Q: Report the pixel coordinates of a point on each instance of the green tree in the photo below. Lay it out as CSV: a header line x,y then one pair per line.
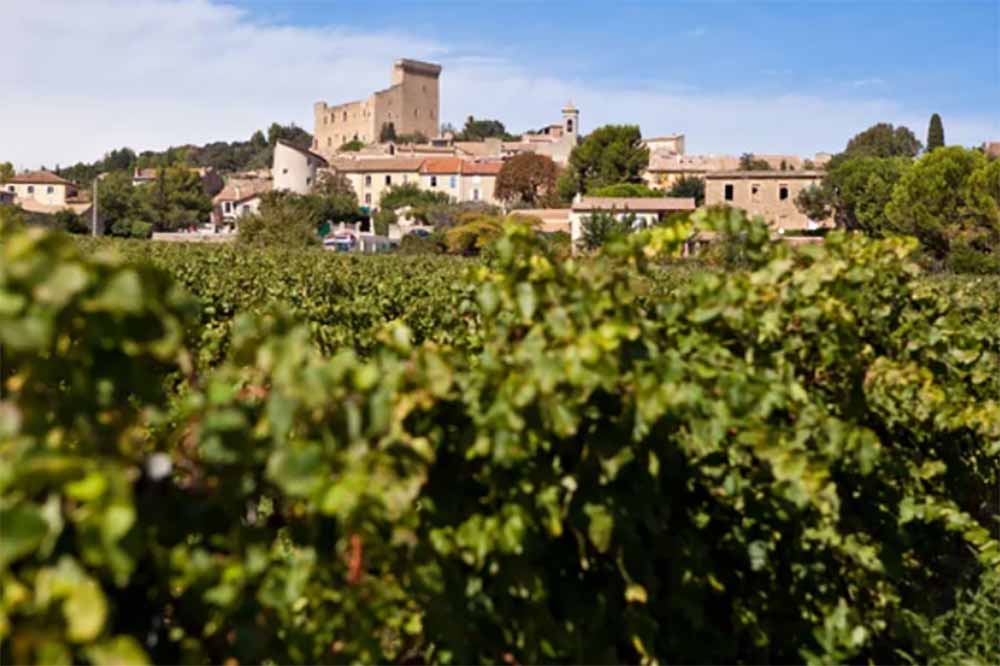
x,y
883,140
477,130
689,186
599,228
410,194
175,200
855,191
6,171
116,202
932,200
382,220
334,199
527,178
352,146
609,155
626,190
935,133
284,219
388,132
750,162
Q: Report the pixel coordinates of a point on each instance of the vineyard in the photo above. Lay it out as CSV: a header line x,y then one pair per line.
x,y
237,455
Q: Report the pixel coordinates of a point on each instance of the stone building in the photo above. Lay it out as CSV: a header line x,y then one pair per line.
x,y
671,144
462,180
769,194
410,105
45,192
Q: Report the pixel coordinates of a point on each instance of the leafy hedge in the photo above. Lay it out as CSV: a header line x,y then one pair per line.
x,y
793,461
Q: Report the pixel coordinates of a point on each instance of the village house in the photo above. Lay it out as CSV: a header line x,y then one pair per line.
x,y
45,192
239,197
666,168
462,180
294,168
769,194
647,211
6,197
409,106
371,178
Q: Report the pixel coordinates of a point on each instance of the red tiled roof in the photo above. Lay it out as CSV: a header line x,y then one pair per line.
x,y
40,178
482,168
442,165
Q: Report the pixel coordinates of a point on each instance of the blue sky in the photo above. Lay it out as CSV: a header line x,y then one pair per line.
x,y
766,77
939,54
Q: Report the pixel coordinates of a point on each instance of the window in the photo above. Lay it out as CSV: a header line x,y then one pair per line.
x,y
416,113
345,116
284,171
309,180
329,141
452,181
783,192
755,192
31,189
729,192
388,179
246,209
10,188
434,181
368,180
368,198
475,195
227,207
569,125
50,189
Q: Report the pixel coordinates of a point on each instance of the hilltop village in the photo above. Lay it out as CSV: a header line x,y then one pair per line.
x,y
392,147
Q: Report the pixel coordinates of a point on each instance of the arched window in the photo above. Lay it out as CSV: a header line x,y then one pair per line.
x,y
569,125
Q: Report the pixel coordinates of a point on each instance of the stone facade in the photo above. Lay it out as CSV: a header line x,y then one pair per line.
x,y
410,104
769,194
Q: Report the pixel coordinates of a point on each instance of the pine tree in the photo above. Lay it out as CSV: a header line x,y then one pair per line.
x,y
935,133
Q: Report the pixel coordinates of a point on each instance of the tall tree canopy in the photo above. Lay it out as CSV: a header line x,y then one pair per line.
x,y
883,140
855,192
935,133
609,155
689,186
527,178
940,202
477,130
750,162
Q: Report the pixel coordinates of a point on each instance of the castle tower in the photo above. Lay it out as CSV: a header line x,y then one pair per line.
x,y
571,121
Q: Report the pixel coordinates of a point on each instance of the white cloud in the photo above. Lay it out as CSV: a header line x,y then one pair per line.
x,y
80,80
866,83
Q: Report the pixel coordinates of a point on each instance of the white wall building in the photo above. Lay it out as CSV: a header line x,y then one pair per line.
x,y
647,211
294,169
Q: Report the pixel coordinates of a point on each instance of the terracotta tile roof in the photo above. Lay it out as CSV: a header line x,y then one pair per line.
x,y
39,178
637,204
237,190
481,168
378,164
442,165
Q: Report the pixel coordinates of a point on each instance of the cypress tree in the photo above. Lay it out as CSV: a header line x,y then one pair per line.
x,y
935,133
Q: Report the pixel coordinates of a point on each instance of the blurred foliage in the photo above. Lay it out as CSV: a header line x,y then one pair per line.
x,y
792,461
